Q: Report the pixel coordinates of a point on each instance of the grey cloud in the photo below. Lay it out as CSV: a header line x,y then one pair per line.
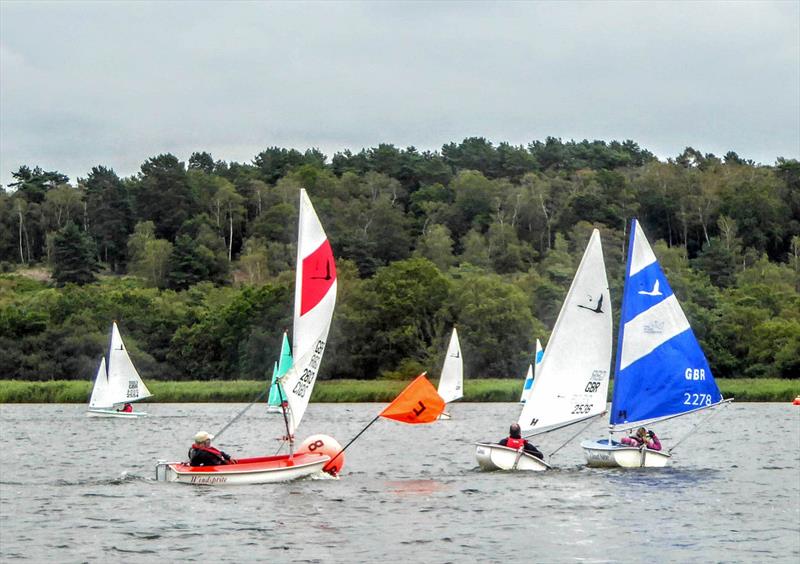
x,y
116,83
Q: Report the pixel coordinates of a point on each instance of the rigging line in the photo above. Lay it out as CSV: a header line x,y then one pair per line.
x,y
652,421
289,437
569,440
242,412
725,403
361,432
563,426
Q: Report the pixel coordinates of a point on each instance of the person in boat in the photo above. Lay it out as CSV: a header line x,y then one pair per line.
x,y
127,408
643,437
202,453
515,441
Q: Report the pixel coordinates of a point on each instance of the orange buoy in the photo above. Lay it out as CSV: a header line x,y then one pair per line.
x,y
796,401
324,444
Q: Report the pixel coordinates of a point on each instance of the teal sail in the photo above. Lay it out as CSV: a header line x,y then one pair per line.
x,y
661,370
281,367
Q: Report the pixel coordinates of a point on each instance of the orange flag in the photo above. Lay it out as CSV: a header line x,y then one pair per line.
x,y
418,403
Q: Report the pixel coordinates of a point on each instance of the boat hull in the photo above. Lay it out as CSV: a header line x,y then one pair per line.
x,y
601,454
498,457
260,470
444,416
114,413
274,409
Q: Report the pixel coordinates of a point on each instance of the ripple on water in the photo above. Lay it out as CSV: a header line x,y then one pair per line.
x,y
405,493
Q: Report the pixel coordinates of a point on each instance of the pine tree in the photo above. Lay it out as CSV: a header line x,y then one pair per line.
x,y
188,263
74,256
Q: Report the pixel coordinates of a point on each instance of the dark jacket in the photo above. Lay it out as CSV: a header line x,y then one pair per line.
x,y
528,448
207,456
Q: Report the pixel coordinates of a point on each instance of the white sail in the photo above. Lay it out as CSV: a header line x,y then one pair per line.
x,y
124,383
100,390
314,300
573,381
451,382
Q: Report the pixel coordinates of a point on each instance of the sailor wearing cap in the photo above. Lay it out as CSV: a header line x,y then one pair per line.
x,y
202,453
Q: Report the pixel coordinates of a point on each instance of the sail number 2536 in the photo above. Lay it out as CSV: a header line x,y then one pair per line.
x,y
696,399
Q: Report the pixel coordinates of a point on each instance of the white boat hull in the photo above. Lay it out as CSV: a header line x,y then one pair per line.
x,y
498,457
97,412
274,409
600,454
444,416
263,470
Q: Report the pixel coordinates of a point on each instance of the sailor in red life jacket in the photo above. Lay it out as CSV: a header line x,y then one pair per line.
x,y
515,441
127,408
203,454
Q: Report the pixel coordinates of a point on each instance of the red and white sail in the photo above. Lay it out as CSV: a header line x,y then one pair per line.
x,y
314,300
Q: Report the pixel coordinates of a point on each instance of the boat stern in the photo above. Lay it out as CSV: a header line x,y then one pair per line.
x,y
492,457
603,453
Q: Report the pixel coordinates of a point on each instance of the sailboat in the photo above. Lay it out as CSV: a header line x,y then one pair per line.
x,y
661,371
315,298
533,373
451,382
117,382
281,367
573,381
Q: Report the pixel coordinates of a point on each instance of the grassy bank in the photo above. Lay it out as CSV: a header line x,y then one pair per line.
x,y
479,390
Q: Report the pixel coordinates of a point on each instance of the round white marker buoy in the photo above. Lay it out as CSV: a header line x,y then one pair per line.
x,y
325,445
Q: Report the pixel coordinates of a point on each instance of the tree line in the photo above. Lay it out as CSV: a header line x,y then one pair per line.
x,y
195,260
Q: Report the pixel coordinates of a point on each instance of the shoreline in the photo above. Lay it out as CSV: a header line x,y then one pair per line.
x,y
344,391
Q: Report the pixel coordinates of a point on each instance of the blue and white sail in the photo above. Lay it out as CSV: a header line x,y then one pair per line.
x,y
276,395
533,373
661,370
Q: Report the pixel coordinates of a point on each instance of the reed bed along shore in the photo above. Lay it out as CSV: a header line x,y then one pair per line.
x,y
342,391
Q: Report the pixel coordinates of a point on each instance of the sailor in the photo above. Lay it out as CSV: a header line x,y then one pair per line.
x,y
515,441
643,437
127,408
202,453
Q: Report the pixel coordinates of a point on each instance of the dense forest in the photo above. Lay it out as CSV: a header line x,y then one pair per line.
x,y
195,260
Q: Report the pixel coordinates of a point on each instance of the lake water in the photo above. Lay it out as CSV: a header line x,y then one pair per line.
x,y
75,489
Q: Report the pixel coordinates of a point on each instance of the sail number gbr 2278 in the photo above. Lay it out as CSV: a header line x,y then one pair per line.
x,y
310,372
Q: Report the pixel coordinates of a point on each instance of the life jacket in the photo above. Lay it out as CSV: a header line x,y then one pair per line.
x,y
211,450
515,443
127,408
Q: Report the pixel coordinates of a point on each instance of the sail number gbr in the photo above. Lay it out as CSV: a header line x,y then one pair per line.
x,y
309,372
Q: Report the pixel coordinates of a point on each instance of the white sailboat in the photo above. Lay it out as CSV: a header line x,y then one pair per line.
x,y
451,382
315,298
533,373
573,381
661,371
117,383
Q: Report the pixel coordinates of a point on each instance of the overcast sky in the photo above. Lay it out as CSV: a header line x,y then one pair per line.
x,y
114,83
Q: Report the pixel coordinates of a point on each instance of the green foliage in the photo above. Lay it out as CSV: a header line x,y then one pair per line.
x,y
341,391
491,220
74,257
